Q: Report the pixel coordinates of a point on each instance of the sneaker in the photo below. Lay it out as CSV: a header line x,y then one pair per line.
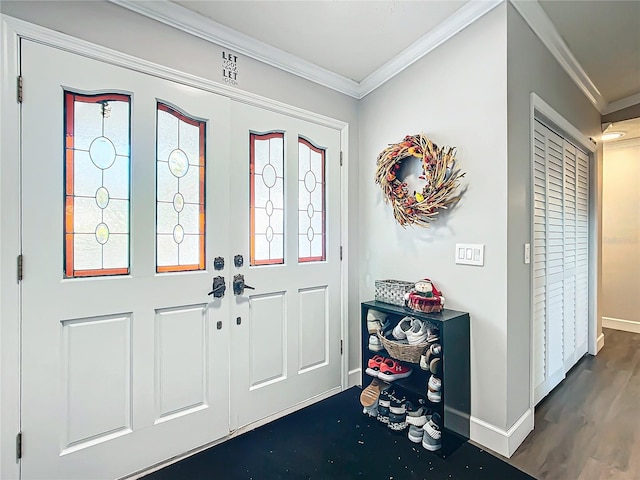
x,y
376,321
417,414
373,365
415,433
400,330
397,405
383,413
433,335
418,332
434,389
371,411
434,351
375,344
397,421
432,436
391,370
370,395
436,367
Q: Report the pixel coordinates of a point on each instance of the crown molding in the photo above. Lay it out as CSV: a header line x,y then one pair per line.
x,y
629,101
46,36
202,27
190,22
461,18
542,26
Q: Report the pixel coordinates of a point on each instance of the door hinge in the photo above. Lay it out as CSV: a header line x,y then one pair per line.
x,y
19,445
20,89
340,347
340,252
340,157
20,262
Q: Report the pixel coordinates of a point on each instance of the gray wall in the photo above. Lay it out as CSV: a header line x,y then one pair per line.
x,y
456,95
530,68
112,26
621,235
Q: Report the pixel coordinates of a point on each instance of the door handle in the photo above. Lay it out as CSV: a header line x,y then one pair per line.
x,y
218,288
239,285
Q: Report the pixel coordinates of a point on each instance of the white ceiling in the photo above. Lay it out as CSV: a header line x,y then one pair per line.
x,y
604,36
363,43
350,38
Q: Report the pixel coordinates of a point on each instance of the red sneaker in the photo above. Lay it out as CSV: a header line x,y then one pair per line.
x,y
393,370
373,365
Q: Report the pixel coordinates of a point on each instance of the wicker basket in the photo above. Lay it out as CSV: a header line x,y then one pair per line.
x,y
402,351
392,291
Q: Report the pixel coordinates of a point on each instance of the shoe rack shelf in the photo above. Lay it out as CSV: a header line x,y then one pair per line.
x,y
455,405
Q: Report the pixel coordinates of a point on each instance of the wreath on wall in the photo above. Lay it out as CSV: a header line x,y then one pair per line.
x,y
439,171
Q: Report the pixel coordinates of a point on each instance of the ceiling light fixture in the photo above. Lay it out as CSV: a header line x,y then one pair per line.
x,y
612,136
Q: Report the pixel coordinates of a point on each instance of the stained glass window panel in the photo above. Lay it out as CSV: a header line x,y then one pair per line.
x,y
180,192
97,182
311,202
267,198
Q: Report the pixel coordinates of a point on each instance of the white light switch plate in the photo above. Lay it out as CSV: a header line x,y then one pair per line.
x,y
469,254
527,253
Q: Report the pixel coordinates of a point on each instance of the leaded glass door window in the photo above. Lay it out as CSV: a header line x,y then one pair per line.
x,y
180,209
311,202
267,198
97,132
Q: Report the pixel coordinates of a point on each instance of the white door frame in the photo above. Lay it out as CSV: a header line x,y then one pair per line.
x,y
542,111
11,31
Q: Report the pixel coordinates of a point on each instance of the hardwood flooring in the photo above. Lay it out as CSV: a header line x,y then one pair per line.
x,y
588,428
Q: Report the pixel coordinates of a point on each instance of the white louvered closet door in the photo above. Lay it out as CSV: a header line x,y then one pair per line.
x,y
582,253
569,234
560,258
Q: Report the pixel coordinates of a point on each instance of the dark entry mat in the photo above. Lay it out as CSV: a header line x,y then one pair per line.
x,y
333,440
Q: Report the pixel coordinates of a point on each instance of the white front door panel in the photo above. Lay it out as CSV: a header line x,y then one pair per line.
x,y
119,372
287,345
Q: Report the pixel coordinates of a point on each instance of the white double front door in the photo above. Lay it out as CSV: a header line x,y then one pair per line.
x,y
131,186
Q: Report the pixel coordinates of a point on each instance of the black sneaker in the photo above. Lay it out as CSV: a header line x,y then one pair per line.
x,y
417,413
398,405
397,421
383,413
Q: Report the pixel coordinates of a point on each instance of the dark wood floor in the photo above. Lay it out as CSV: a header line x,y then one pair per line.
x,y
588,428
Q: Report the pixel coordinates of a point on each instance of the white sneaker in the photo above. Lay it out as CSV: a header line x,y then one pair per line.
x,y
431,439
400,330
375,321
418,332
434,389
375,344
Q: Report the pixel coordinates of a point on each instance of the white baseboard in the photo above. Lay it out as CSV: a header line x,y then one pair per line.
x,y
355,376
504,442
231,435
621,324
599,342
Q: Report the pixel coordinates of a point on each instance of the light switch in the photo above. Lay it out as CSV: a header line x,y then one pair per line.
x,y
527,253
469,254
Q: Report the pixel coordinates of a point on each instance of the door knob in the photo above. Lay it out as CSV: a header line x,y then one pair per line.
x,y
218,288
239,285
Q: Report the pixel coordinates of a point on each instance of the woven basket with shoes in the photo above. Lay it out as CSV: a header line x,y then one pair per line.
x,y
403,351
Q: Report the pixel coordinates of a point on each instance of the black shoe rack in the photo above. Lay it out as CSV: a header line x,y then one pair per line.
x,y
455,404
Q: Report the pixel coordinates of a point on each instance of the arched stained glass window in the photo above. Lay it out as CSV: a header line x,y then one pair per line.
x,y
180,191
97,183
267,198
311,202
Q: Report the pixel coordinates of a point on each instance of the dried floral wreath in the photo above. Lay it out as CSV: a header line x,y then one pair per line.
x,y
439,172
